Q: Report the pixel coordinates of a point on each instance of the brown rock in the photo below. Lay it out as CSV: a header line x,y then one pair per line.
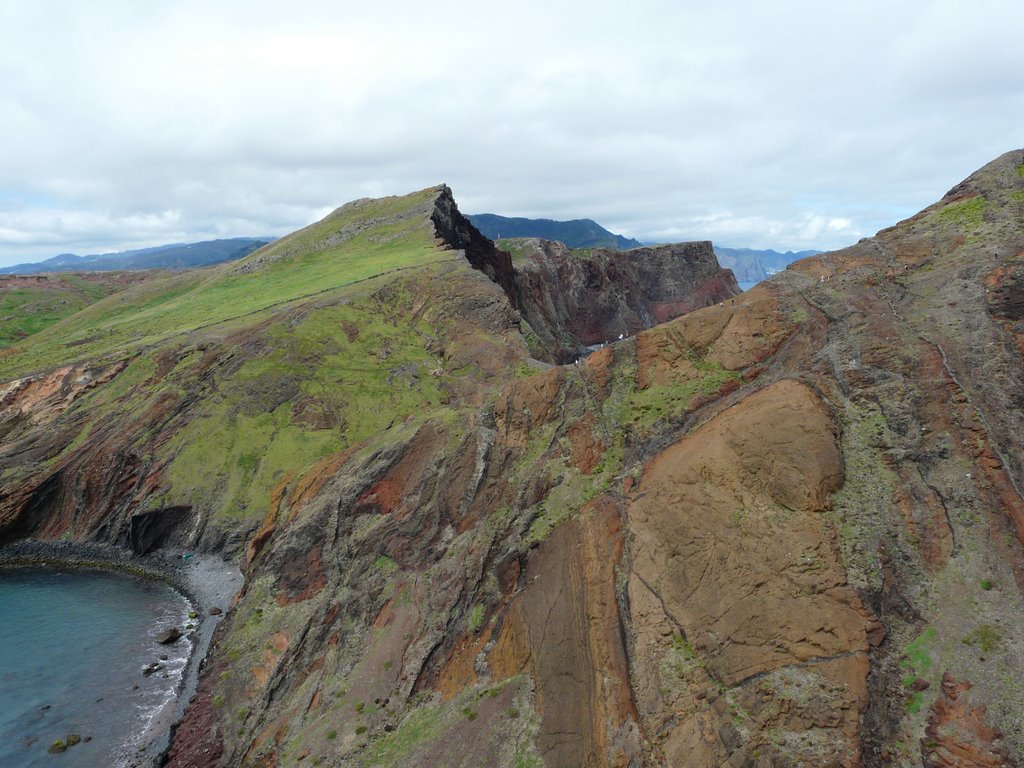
x,y
729,542
957,734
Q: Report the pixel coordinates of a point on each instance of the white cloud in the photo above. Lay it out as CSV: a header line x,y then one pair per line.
x,y
786,125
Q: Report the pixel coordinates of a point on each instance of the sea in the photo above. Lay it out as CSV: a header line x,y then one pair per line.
x,y
73,646
746,285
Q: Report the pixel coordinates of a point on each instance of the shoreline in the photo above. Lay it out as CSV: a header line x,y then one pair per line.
x,y
205,581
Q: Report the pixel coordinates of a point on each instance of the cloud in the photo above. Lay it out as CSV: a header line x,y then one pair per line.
x,y
785,125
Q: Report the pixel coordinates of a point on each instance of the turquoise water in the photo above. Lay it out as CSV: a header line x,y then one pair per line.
x,y
73,645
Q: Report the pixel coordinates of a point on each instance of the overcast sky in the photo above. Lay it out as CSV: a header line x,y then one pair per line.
x,y
787,125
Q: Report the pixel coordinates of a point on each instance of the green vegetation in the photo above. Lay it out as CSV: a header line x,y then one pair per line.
x,y
861,507
917,663
309,391
643,408
431,727
351,245
965,215
45,301
208,469
681,662
987,584
423,725
918,653
476,618
519,248
915,702
985,636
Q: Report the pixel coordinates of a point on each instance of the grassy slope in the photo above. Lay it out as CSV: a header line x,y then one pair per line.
x,y
322,341
378,237
28,305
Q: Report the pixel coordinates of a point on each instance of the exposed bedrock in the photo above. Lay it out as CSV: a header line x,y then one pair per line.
x,y
574,299
734,579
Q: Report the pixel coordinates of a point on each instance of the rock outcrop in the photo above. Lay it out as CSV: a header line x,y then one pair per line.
x,y
575,299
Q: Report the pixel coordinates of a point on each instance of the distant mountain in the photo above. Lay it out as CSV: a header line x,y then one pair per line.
x,y
578,233
173,256
751,265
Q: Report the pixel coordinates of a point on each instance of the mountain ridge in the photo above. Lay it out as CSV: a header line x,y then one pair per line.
x,y
753,265
575,233
170,256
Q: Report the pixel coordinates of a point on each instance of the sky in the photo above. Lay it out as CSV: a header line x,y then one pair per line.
x,y
786,125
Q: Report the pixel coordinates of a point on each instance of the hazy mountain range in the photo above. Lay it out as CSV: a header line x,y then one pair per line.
x,y
577,233
750,265
172,256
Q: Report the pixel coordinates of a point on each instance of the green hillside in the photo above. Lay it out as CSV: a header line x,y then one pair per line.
x,y
354,243
30,304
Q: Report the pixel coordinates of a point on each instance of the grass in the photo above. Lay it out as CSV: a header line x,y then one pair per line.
x,y
28,310
985,636
351,245
476,618
644,408
307,391
519,248
229,462
918,663
965,215
423,725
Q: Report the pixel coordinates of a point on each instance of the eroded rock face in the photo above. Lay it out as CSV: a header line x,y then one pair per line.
x,y
575,299
564,629
957,733
732,565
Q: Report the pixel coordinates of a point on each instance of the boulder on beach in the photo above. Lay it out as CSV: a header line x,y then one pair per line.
x,y
168,636
215,611
57,747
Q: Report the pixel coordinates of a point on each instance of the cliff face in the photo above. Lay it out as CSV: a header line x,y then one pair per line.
x,y
784,529
574,299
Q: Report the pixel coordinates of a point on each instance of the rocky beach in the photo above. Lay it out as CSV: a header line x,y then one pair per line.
x,y
206,586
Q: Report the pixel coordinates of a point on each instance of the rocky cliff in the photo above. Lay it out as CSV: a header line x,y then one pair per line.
x,y
785,529
573,299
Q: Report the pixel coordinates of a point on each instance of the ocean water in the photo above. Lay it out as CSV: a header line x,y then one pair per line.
x,y
746,285
73,645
